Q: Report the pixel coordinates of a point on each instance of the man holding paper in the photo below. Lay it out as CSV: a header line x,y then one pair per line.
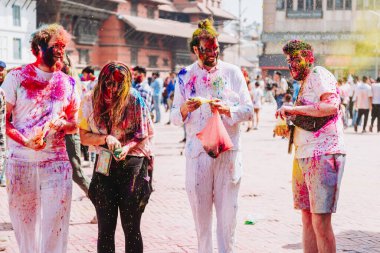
x,y
41,107
207,86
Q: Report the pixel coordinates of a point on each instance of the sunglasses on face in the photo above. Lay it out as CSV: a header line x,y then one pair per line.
x,y
208,50
112,84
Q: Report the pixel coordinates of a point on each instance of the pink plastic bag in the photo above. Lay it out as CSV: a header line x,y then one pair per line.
x,y
214,136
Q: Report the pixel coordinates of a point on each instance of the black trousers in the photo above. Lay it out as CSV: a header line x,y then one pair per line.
x,y
362,112
73,151
375,114
127,189
351,108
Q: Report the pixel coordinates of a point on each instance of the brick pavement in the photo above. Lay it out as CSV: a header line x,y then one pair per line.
x,y
265,196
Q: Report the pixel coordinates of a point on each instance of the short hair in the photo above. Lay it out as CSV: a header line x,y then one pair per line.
x,y
257,84
293,46
205,30
278,73
378,81
89,70
364,79
140,69
156,74
43,35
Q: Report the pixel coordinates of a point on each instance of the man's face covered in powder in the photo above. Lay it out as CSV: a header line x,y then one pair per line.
x,y
53,53
300,64
208,52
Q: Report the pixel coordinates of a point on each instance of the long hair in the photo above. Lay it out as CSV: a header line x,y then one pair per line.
x,y
113,113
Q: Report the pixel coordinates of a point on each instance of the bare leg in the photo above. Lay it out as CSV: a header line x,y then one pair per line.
x,y
324,233
308,236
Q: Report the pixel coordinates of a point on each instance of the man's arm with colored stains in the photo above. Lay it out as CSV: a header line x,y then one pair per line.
x,y
243,111
33,143
329,105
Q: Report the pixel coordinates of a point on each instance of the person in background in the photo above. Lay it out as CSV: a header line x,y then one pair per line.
x,y
296,89
115,119
170,93
363,102
88,78
3,71
280,88
375,114
142,86
157,86
257,96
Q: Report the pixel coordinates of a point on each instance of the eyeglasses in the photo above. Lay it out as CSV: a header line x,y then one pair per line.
x,y
208,50
112,84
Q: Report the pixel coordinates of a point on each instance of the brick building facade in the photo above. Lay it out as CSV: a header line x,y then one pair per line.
x,y
149,33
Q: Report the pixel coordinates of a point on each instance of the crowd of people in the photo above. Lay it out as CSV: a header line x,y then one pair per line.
x,y
360,96
51,115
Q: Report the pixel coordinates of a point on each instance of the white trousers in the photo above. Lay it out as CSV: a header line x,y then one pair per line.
x,y
213,181
39,196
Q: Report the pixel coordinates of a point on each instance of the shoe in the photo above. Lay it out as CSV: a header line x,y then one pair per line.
x,y
364,131
248,129
370,128
168,123
255,128
94,220
356,128
183,140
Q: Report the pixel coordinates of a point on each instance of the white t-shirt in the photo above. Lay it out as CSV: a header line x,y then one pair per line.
x,y
256,95
376,93
39,97
344,92
362,94
329,139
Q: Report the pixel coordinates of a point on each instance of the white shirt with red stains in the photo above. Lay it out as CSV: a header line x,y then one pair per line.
x,y
329,139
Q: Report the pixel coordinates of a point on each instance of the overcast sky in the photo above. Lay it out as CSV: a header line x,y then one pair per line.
x,y
252,9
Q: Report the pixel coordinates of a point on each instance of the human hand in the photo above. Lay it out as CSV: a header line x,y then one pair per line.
x,y
121,153
36,143
192,104
218,105
284,111
58,124
112,142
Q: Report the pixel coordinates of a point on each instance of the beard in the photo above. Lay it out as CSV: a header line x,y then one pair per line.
x,y
210,63
51,60
300,73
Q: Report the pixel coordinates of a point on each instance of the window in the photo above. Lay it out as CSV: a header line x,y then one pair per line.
x,y
289,4
339,5
318,4
84,56
166,62
309,5
3,47
16,15
348,5
280,5
134,8
330,4
300,5
134,55
150,12
17,49
153,61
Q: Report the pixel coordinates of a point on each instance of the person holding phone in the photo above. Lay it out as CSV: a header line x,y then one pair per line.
x,y
115,119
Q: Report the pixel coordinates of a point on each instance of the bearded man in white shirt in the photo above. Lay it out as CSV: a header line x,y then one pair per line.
x,y
211,180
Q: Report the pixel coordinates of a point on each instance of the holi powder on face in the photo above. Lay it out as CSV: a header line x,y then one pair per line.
x,y
300,64
209,52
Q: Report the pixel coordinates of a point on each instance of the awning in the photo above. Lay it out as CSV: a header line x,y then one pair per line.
x,y
168,27
220,13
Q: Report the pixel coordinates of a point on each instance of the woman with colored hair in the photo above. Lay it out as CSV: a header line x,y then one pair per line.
x,y
115,119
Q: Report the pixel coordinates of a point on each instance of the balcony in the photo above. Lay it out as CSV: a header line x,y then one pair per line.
x,y
304,14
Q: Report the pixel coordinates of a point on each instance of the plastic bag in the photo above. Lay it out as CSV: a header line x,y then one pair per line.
x,y
214,136
281,128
